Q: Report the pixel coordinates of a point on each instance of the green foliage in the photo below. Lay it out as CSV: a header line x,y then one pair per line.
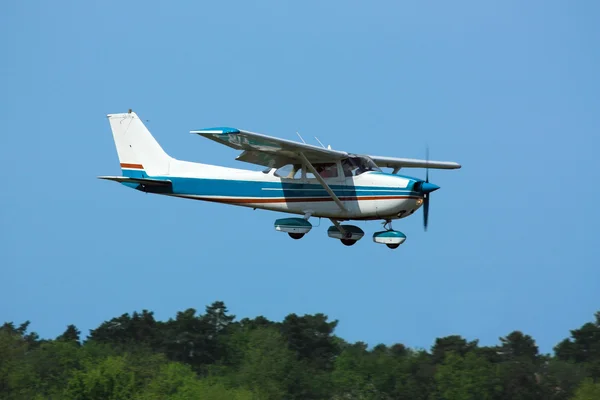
x,y
468,377
518,346
176,381
266,363
71,334
588,391
450,344
211,356
311,338
111,379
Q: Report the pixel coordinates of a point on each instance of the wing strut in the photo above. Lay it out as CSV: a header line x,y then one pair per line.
x,y
322,182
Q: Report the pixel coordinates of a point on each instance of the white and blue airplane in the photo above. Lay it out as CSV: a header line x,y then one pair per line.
x,y
299,178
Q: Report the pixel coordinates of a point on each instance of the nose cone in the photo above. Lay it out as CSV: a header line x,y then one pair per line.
x,y
429,187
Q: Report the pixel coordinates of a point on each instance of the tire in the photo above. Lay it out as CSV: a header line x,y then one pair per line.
x,y
348,242
392,245
296,235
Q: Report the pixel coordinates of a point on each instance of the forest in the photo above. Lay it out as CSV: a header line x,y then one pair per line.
x,y
212,355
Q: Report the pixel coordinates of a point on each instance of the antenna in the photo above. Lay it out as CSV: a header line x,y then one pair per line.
x,y
319,142
300,137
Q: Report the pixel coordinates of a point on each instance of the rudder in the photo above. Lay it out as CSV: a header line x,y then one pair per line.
x,y
139,153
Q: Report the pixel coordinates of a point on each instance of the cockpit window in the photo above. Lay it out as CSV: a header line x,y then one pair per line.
x,y
289,171
354,166
326,170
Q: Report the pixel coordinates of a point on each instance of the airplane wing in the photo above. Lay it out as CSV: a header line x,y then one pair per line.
x,y
397,163
267,150
275,152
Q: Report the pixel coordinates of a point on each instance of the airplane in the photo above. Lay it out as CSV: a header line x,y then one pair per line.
x,y
298,179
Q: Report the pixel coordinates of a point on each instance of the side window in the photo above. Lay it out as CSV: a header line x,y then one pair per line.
x,y
355,166
348,167
326,170
289,171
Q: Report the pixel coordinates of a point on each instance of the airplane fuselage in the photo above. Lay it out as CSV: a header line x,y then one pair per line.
x,y
370,195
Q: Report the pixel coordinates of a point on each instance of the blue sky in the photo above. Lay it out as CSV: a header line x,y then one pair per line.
x,y
509,89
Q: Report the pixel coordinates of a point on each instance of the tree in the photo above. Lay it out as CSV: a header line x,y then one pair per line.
x,y
516,345
137,330
186,339
454,343
171,379
71,334
218,323
15,375
211,356
52,364
311,338
266,363
217,317
468,377
111,378
399,350
257,322
520,380
588,391
350,376
417,383
559,379
583,347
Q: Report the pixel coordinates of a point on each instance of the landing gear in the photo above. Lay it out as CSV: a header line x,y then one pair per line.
x,y
347,234
391,238
295,227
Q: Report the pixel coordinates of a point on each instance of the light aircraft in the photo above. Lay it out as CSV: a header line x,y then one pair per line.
x,y
299,178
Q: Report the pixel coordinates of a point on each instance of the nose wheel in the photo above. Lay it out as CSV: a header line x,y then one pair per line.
x,y
391,238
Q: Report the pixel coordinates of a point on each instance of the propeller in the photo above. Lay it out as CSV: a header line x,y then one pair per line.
x,y
426,189
426,197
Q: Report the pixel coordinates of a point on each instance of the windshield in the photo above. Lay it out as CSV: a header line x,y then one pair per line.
x,y
356,165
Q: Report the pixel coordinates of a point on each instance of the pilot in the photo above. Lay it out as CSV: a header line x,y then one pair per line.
x,y
295,169
347,167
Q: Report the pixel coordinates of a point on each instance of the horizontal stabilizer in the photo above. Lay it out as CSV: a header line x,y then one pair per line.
x,y
141,181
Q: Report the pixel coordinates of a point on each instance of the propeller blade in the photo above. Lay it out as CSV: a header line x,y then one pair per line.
x,y
426,197
427,168
425,211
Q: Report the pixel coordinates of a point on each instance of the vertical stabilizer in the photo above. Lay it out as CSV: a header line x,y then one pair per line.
x,y
139,153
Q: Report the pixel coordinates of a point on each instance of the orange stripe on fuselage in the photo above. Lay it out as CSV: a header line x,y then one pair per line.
x,y
133,166
298,200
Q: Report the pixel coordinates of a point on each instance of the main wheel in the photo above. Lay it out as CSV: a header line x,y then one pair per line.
x,y
348,242
392,245
296,235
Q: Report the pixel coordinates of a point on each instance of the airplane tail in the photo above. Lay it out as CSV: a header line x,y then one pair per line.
x,y
139,153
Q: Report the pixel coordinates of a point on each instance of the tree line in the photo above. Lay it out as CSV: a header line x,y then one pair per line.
x,y
213,356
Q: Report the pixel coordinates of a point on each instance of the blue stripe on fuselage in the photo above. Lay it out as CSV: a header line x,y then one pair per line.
x,y
260,189
134,173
